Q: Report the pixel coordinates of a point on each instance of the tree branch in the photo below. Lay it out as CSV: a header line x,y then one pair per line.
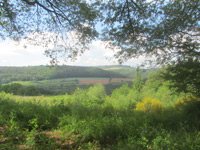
x,y
137,6
129,17
30,3
62,14
55,10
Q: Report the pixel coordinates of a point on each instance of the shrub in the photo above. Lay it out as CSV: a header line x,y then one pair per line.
x,y
185,100
96,94
149,105
32,91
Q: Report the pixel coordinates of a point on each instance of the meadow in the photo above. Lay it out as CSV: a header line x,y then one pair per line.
x,y
145,115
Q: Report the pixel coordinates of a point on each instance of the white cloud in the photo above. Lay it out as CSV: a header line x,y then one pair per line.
x,y
13,54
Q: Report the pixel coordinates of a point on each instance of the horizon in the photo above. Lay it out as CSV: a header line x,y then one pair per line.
x,y
74,66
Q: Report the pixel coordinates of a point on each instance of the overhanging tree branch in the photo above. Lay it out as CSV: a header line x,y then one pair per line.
x,y
58,12
139,8
30,3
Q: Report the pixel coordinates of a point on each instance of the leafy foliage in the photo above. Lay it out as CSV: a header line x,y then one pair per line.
x,y
185,76
149,105
89,119
168,30
19,89
96,94
36,20
137,86
185,100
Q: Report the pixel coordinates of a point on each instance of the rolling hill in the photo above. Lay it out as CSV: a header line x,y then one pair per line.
x,y
127,71
39,73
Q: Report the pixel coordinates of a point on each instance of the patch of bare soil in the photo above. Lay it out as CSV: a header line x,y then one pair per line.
x,y
61,138
2,131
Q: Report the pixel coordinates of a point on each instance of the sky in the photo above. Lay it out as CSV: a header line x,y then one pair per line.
x,y
13,54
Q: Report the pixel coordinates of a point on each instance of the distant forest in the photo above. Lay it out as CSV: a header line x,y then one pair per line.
x,y
38,73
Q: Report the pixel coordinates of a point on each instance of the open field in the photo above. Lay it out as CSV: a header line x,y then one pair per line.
x,y
103,80
114,68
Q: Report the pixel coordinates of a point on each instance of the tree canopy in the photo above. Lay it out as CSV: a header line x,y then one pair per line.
x,y
50,22
167,29
184,76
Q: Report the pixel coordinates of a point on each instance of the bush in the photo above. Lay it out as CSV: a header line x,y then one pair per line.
x,y
185,100
32,91
97,94
149,105
18,89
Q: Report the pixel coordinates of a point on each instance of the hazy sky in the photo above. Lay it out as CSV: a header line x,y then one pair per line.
x,y
12,54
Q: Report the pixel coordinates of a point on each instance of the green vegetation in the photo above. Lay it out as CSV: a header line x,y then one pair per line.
x,y
55,80
184,75
146,115
19,89
68,85
64,79
38,73
160,114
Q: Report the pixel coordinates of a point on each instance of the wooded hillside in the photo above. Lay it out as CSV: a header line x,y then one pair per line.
x,y
38,73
